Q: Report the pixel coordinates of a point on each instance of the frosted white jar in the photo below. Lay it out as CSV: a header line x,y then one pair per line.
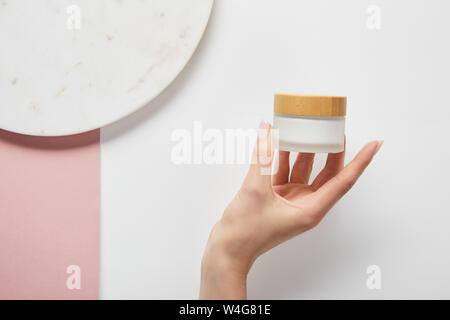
x,y
306,123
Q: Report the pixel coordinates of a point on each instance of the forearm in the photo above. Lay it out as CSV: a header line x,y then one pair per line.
x,y
221,276
219,283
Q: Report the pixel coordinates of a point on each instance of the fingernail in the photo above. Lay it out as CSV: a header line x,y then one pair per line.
x,y
264,127
380,143
264,124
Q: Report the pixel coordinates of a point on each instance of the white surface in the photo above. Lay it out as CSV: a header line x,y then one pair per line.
x,y
56,80
310,134
156,215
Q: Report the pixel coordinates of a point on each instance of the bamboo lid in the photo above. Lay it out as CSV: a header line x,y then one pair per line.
x,y
310,105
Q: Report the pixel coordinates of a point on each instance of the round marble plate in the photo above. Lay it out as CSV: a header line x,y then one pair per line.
x,y
70,66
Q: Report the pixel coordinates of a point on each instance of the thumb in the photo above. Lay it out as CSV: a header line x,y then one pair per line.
x,y
259,175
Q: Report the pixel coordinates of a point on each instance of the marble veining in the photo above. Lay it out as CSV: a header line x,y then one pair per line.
x,y
70,66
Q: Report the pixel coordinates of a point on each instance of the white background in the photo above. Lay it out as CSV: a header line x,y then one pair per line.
x,y
156,215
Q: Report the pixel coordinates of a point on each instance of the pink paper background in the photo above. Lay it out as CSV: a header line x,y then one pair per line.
x,y
49,215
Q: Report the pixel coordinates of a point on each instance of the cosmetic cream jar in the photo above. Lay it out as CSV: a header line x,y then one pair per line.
x,y
308,123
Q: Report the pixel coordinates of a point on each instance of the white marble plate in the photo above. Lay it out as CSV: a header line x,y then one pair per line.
x,y
69,66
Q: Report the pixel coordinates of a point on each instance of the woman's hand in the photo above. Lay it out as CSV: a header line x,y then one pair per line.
x,y
269,210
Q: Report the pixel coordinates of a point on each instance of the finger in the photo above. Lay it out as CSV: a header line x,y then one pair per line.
x,y
259,175
301,171
334,164
340,184
282,175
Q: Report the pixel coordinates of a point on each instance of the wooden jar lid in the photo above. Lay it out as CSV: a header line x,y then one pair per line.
x,y
310,105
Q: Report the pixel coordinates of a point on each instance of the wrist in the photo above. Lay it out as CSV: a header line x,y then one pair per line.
x,y
221,280
223,275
